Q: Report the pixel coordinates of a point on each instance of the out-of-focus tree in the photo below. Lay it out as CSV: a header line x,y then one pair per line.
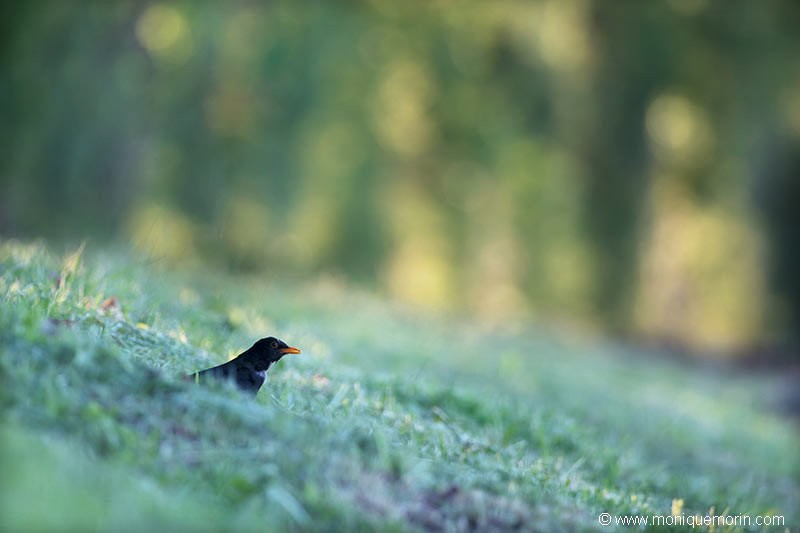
x,y
573,160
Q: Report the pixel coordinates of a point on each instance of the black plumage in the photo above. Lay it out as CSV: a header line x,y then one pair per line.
x,y
248,370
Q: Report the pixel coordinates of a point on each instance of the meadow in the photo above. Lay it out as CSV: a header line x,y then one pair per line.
x,y
391,419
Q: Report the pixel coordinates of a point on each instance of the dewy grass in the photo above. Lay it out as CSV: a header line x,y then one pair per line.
x,y
386,421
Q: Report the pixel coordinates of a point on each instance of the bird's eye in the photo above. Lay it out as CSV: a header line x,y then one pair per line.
x,y
274,344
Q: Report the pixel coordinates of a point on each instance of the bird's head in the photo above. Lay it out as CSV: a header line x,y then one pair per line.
x,y
270,350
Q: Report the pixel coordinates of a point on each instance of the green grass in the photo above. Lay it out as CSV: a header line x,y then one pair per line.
x,y
390,419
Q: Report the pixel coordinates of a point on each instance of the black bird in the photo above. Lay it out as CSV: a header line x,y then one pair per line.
x,y
248,370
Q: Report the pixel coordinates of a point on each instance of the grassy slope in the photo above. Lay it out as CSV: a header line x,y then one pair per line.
x,y
388,419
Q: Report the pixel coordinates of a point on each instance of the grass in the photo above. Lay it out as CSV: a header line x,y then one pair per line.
x,y
390,419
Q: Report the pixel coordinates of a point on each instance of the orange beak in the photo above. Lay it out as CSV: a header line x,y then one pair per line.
x,y
289,349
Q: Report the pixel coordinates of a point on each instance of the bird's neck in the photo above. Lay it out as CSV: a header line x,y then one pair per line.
x,y
258,364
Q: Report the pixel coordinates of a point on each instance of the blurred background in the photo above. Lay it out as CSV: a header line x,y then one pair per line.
x,y
624,167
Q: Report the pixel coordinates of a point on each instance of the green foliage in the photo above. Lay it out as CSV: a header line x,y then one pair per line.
x,y
388,420
499,157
